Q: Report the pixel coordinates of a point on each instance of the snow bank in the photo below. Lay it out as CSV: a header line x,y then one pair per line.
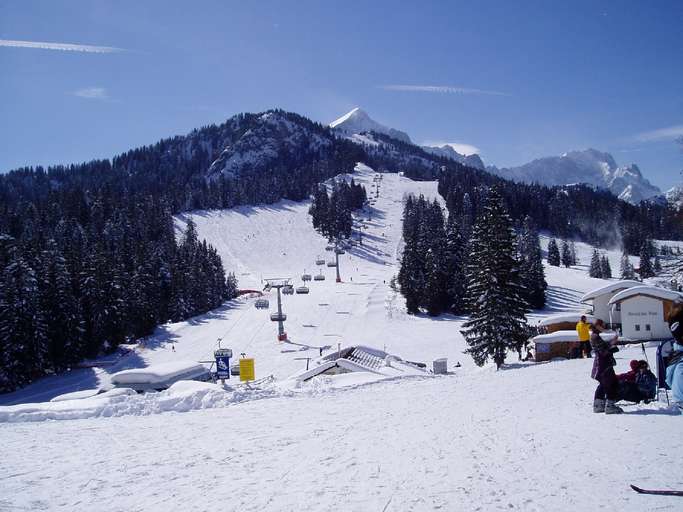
x,y
182,396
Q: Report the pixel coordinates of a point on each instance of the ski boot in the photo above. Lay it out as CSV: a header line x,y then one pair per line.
x,y
612,408
598,405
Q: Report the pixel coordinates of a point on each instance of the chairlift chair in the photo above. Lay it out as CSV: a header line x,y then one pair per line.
x,y
331,263
262,304
302,290
276,317
329,248
339,250
306,277
319,277
319,262
288,290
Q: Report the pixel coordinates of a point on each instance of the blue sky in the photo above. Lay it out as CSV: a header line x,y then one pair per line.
x,y
516,80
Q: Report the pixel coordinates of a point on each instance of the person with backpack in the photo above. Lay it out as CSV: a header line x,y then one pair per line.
x,y
674,367
607,392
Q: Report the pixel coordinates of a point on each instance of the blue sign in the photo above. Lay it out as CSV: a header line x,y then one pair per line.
x,y
223,356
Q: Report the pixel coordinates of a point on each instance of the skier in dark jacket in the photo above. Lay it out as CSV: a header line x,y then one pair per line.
x,y
607,392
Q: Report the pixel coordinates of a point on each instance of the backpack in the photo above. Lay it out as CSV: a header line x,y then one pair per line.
x,y
647,384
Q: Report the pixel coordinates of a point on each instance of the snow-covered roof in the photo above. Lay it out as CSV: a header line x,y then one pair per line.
x,y
567,336
650,291
610,288
362,359
565,317
556,337
159,373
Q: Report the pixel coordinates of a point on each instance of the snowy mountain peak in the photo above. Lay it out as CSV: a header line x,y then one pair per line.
x,y
590,166
358,121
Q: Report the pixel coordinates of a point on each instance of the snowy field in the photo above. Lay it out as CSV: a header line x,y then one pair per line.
x,y
523,438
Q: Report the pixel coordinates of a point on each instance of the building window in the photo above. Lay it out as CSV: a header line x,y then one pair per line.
x,y
647,327
637,327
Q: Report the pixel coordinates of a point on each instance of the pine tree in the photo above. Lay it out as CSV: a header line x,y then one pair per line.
x,y
553,253
595,269
645,263
23,331
566,254
497,308
605,268
626,269
531,266
572,250
657,267
455,260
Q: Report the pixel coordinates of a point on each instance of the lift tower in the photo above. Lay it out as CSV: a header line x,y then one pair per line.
x,y
279,317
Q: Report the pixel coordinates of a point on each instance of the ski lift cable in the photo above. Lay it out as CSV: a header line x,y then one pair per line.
x,y
225,334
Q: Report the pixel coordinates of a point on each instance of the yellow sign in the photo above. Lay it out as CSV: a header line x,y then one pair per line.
x,y
247,370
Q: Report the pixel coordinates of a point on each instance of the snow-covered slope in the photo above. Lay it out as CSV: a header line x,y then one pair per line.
x,y
358,121
589,166
475,438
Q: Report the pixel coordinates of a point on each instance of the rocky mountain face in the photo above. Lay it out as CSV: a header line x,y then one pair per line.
x,y
357,124
590,166
447,151
357,121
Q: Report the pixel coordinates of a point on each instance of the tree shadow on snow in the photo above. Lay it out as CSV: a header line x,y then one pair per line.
x,y
559,298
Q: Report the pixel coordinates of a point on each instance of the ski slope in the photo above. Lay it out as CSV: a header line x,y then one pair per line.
x,y
520,439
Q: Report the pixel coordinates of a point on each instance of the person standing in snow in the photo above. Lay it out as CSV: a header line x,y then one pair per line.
x,y
583,330
674,367
607,392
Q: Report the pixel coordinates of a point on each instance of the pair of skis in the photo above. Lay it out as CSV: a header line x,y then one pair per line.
x,y
657,492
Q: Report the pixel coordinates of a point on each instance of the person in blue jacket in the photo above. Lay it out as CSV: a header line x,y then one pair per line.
x,y
674,367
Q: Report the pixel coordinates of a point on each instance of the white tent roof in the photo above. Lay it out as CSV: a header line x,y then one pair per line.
x,y
565,317
610,288
650,291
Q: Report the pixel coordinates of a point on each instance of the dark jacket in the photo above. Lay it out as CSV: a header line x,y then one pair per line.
x,y
604,358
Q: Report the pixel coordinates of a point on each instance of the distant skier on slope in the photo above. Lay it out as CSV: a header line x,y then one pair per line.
x,y
607,392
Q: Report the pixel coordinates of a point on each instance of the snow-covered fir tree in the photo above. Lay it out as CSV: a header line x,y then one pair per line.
x,y
455,260
657,265
645,263
553,253
605,268
595,269
531,266
566,254
625,268
572,250
494,292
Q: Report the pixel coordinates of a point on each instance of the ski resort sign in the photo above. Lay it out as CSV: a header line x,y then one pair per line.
x,y
223,356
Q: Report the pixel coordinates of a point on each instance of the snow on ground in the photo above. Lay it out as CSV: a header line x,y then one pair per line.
x,y
523,438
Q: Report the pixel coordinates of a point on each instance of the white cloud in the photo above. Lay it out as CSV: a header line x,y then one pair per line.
x,y
460,147
440,89
92,93
668,133
65,47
